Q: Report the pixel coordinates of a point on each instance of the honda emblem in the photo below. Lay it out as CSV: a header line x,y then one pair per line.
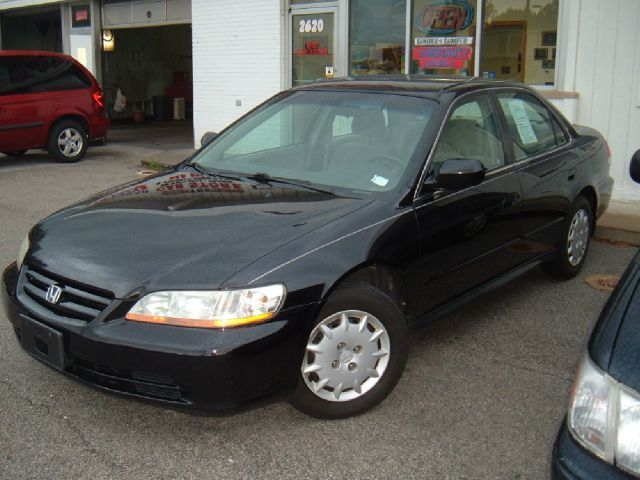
x,y
53,294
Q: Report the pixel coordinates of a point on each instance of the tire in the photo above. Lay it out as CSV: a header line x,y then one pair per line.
x,y
15,153
341,354
573,247
68,141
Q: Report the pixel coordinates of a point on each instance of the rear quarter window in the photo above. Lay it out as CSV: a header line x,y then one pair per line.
x,y
34,74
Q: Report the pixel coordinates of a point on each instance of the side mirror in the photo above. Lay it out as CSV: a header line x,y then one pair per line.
x,y
460,173
208,138
634,168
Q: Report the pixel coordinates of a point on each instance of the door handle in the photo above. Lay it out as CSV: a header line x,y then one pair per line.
x,y
572,175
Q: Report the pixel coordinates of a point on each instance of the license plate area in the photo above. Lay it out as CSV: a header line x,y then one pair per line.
x,y
42,342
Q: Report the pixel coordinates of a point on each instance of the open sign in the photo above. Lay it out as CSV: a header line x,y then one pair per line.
x,y
443,17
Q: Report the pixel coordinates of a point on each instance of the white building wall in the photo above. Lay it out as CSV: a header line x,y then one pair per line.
x,y
237,59
604,66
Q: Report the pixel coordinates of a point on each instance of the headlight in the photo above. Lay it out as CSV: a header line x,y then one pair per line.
x,y
628,444
590,411
24,248
209,309
605,418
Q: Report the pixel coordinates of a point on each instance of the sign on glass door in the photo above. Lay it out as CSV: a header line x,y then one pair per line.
x,y
312,47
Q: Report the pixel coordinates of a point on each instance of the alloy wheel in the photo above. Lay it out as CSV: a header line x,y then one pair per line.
x,y
70,142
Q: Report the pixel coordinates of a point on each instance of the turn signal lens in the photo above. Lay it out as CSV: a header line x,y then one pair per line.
x,y
210,309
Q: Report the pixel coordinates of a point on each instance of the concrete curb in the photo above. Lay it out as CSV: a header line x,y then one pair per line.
x,y
621,216
167,158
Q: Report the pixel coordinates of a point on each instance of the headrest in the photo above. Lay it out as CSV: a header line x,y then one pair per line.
x,y
368,122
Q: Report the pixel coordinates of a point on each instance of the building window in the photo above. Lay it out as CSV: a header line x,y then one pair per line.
x,y
440,37
443,37
519,40
377,36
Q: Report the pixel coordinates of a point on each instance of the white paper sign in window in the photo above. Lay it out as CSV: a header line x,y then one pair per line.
x,y
523,124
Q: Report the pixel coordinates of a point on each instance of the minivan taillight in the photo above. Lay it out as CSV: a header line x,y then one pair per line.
x,y
98,98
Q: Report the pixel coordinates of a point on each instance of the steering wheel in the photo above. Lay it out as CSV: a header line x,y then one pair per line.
x,y
391,163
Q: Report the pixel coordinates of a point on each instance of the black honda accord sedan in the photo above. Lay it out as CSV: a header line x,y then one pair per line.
x,y
600,438
295,251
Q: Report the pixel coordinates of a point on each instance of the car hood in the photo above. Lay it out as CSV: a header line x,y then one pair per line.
x,y
625,356
177,230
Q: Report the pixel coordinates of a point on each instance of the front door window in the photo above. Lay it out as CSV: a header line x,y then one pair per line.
x,y
471,133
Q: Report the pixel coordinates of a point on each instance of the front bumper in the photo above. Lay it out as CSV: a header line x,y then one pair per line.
x,y
571,461
190,367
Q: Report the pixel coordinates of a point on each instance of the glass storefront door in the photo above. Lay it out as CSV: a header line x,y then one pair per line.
x,y
313,42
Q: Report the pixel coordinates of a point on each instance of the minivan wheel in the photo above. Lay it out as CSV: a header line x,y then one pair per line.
x,y
15,153
573,247
67,141
354,355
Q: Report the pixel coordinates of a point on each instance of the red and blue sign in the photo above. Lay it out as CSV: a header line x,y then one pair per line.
x,y
442,57
443,17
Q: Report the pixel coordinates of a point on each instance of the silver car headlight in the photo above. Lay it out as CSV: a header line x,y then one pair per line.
x,y
210,309
628,441
604,417
24,248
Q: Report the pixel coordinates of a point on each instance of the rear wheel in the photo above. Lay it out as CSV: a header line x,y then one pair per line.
x,y
574,244
355,354
67,141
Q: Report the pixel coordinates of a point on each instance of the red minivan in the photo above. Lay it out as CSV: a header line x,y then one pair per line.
x,y
49,100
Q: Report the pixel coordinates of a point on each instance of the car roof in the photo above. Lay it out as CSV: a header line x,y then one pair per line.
x,y
6,53
422,85
43,53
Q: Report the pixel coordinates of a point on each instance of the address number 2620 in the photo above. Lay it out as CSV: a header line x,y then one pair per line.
x,y
315,25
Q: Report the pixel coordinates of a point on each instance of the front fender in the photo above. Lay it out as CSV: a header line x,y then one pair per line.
x,y
314,264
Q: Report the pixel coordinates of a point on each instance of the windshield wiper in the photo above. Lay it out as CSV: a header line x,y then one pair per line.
x,y
209,173
267,179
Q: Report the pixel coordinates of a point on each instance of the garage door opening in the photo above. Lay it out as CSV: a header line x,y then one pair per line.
x,y
32,29
152,67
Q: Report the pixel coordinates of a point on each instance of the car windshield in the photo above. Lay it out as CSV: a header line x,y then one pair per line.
x,y
348,140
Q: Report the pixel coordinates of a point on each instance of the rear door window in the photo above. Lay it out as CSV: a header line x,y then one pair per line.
x,y
530,124
36,73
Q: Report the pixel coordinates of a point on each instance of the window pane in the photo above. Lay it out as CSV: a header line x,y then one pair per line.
x,y
358,141
284,128
561,137
519,40
471,133
31,74
313,47
377,36
529,124
443,37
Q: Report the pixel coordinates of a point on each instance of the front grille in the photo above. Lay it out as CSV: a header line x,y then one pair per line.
x,y
77,301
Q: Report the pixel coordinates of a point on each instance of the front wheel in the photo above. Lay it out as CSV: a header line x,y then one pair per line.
x,y
572,250
68,141
354,356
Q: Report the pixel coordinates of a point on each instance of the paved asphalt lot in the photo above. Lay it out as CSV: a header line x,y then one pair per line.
x,y
482,397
